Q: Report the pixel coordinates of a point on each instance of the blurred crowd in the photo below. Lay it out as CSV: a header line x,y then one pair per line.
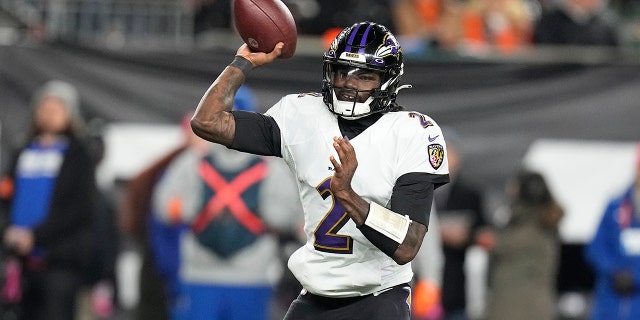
x,y
470,27
476,27
467,27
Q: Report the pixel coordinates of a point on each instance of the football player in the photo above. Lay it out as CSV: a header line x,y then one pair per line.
x,y
366,171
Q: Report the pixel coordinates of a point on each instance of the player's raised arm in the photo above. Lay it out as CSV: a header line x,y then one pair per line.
x,y
213,120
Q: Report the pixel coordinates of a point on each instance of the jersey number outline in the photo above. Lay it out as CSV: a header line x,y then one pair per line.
x,y
422,119
326,234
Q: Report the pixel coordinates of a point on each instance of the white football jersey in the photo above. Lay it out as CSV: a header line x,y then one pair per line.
x,y
337,260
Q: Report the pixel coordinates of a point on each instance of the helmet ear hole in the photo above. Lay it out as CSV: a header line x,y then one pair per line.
x,y
365,45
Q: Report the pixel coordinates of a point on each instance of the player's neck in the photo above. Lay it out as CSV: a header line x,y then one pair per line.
x,y
352,128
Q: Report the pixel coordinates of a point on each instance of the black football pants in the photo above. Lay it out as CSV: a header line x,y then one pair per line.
x,y
388,305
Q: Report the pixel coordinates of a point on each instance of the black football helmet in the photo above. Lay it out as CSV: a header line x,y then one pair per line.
x,y
372,47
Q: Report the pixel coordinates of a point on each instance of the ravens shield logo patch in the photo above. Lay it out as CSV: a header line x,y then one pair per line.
x,y
436,155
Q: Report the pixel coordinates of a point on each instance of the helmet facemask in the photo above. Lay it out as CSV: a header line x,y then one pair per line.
x,y
347,101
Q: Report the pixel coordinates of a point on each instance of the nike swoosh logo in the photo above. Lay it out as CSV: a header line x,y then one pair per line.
x,y
433,139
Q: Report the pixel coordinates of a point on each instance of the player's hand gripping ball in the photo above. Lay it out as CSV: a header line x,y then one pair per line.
x,y
264,23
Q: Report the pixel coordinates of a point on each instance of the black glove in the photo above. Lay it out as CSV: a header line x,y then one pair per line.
x,y
623,283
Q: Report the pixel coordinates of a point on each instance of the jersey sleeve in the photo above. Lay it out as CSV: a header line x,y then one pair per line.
x,y
278,112
425,149
279,200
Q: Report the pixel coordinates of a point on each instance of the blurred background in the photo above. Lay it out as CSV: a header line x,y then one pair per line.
x,y
518,84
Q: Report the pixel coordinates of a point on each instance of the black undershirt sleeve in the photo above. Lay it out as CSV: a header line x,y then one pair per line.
x,y
256,133
413,194
382,242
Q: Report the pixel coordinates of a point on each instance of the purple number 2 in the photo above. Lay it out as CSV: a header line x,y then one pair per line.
x,y
326,234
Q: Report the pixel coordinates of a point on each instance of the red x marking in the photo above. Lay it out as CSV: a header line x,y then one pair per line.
x,y
228,194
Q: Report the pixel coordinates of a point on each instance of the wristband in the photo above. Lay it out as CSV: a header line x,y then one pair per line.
x,y
242,63
387,222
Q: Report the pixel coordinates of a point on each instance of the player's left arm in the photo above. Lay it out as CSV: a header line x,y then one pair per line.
x,y
397,232
412,197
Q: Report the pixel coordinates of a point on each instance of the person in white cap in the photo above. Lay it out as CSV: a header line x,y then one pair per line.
x,y
48,194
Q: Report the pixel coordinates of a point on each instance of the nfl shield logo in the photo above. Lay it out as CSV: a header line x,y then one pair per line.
x,y
436,155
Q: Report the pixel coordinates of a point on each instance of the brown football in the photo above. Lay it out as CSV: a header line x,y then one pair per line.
x,y
264,23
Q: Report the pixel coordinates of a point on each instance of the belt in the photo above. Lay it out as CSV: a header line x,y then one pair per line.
x,y
334,303
331,303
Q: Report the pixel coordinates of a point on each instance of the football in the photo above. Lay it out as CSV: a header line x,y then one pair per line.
x,y
264,23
